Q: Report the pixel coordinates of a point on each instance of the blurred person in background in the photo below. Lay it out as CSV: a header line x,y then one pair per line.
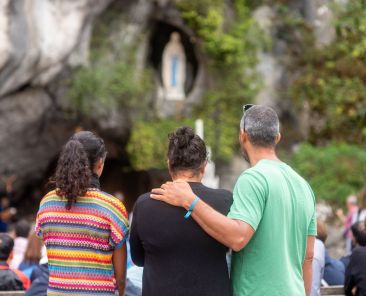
x,y
333,269
352,209
318,264
360,214
84,229
10,279
32,255
355,282
22,228
7,212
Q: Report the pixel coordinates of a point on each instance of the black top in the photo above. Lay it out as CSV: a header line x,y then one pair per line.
x,y
9,280
179,258
356,272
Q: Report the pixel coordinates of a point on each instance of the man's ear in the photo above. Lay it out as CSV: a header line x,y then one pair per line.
x,y
278,138
243,136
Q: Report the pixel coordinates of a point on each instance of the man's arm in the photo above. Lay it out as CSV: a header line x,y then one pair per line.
x,y
307,265
234,234
119,265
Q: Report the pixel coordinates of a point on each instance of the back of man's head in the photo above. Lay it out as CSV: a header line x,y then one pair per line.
x,y
22,228
262,125
6,246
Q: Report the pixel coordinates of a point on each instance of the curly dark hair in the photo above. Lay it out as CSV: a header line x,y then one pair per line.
x,y
75,165
186,150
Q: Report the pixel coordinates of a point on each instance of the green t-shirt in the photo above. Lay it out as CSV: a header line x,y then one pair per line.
x,y
280,206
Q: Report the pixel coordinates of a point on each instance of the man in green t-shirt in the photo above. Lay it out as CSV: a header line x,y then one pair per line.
x,y
271,225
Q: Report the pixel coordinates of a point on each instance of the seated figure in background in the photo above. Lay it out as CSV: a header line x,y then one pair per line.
x,y
355,283
334,269
318,267
22,228
32,255
10,279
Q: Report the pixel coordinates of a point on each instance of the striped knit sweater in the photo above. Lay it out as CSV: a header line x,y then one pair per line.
x,y
80,242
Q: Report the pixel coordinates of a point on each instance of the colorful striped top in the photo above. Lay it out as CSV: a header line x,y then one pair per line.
x,y
80,242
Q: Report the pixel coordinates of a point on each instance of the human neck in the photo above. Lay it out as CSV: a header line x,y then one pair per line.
x,y
258,154
186,176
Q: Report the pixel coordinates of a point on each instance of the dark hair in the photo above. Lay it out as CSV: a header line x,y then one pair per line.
x,y
75,165
359,233
6,246
186,150
22,228
322,231
262,125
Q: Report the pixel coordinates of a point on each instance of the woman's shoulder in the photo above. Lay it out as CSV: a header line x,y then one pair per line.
x,y
51,195
105,199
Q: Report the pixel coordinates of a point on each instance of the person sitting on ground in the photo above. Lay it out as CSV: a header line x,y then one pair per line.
x,y
179,258
334,269
318,265
355,282
32,254
10,279
22,228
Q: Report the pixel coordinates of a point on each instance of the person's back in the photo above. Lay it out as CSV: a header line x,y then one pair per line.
x,y
356,273
10,279
282,217
355,277
80,241
83,228
22,228
179,258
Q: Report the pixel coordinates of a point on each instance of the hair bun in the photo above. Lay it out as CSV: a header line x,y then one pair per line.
x,y
183,136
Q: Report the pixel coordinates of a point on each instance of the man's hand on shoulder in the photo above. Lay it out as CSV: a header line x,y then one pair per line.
x,y
176,193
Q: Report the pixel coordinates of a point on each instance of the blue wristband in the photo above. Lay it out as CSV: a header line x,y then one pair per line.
x,y
186,216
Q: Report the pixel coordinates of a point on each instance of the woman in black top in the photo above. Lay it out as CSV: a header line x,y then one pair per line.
x,y
355,283
179,258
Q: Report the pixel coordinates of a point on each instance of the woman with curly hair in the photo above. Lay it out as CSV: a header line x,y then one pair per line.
x,y
179,258
83,228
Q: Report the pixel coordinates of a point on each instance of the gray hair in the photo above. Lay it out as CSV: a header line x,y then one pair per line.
x,y
262,125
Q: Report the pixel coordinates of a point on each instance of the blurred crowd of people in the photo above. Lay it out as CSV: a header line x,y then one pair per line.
x,y
349,270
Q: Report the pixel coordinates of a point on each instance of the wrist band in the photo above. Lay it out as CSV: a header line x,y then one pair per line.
x,y
186,216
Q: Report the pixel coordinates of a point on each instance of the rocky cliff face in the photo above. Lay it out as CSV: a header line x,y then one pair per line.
x,y
39,39
42,40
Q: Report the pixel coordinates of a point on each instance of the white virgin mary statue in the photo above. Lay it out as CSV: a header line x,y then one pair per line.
x,y
174,69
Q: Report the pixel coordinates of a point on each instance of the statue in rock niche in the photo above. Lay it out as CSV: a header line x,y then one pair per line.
x,y
174,69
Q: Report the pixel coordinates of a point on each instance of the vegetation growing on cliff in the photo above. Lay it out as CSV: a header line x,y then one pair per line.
x,y
230,45
332,80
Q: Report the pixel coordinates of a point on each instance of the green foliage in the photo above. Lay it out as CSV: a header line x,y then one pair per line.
x,y
149,142
333,171
230,48
333,80
227,36
109,84
111,80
